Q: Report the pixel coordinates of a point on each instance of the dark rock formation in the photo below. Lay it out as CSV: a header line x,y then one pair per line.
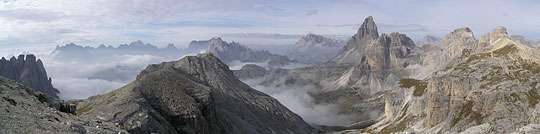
x,y
250,71
29,72
192,95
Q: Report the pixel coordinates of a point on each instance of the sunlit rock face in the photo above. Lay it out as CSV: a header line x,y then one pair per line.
x,y
495,91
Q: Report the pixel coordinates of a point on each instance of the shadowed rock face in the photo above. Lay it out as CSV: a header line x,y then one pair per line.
x,y
192,95
250,71
29,72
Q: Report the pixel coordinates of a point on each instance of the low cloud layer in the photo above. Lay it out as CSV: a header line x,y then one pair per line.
x,y
82,78
298,100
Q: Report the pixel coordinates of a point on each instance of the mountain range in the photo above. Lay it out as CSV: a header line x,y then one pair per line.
x,y
384,83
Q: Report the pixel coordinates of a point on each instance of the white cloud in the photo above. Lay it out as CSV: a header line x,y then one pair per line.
x,y
38,22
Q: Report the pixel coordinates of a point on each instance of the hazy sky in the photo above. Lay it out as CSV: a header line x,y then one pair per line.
x,y
43,24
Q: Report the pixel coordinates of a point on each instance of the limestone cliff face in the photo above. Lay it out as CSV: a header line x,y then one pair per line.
x,y
456,44
192,95
366,34
487,92
29,72
378,61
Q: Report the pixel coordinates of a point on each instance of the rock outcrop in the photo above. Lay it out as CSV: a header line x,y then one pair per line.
x,y
197,94
29,72
315,49
495,91
250,71
23,111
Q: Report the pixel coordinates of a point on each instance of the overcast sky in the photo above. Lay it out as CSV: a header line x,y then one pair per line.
x,y
43,24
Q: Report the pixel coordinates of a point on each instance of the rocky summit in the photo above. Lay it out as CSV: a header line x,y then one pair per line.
x,y
29,72
197,94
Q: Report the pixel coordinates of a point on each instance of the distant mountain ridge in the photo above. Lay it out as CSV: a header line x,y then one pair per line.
x,y
315,49
29,72
231,52
73,51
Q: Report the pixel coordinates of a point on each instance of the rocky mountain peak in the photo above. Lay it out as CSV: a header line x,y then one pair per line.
x,y
137,43
197,94
367,33
29,72
461,36
368,29
312,38
497,33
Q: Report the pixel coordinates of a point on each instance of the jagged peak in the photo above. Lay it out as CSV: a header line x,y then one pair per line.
x,y
368,29
497,33
30,57
461,37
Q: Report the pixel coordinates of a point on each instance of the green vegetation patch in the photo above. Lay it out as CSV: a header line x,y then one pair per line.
x,y
420,86
466,110
505,50
83,110
533,97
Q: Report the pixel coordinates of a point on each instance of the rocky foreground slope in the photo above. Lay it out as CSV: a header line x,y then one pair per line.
x,y
24,112
29,72
197,94
493,91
